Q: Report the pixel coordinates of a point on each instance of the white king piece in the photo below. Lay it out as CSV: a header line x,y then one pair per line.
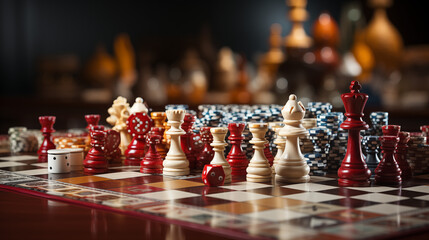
x,y
292,166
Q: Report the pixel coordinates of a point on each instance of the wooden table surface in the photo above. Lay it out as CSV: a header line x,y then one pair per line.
x,y
28,217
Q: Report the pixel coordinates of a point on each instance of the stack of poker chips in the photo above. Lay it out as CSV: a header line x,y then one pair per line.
x,y
317,160
22,140
305,143
371,144
418,153
338,141
176,106
378,120
317,108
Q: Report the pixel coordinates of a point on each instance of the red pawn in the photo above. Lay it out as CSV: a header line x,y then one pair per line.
x,y
401,155
236,157
47,123
152,162
388,171
138,125
95,160
188,121
353,170
207,153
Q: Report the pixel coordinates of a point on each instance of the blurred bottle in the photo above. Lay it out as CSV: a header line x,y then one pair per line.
x,y
240,94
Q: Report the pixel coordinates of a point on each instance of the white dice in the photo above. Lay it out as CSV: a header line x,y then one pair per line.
x,y
59,161
76,157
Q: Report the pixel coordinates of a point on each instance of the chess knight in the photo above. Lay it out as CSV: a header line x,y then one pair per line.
x,y
119,113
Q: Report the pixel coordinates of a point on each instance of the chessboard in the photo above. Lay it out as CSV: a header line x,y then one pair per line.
x,y
315,210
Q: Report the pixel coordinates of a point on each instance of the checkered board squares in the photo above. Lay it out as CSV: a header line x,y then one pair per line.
x,y
314,210
10,164
386,208
19,158
422,189
34,172
379,197
168,195
313,197
121,175
240,186
310,187
238,196
276,215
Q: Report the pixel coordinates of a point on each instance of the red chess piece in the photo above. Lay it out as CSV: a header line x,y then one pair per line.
x,y
425,132
95,161
196,144
111,146
388,171
353,170
92,120
207,153
236,157
268,154
47,123
188,121
152,162
138,125
160,148
213,175
401,155
391,130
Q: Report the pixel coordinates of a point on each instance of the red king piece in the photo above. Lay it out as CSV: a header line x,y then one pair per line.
x,y
353,170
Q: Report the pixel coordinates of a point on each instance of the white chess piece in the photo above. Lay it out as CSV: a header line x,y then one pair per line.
x,y
218,145
292,166
138,106
59,161
259,169
280,142
175,163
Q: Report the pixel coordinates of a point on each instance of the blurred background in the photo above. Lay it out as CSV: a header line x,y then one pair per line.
x,y
71,58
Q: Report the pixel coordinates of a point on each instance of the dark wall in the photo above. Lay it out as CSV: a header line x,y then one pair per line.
x,y
30,29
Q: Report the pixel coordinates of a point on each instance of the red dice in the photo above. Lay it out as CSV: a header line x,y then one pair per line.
x,y
213,175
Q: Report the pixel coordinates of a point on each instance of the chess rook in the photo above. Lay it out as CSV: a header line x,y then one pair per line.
x,y
218,145
152,162
353,170
47,123
236,157
259,169
95,161
292,166
175,163
388,171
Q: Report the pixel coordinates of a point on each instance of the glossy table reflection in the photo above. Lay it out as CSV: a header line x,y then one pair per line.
x,y
23,216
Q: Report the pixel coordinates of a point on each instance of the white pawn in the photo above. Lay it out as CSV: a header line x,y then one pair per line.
x,y
292,166
138,106
218,145
175,163
59,161
259,169
280,142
